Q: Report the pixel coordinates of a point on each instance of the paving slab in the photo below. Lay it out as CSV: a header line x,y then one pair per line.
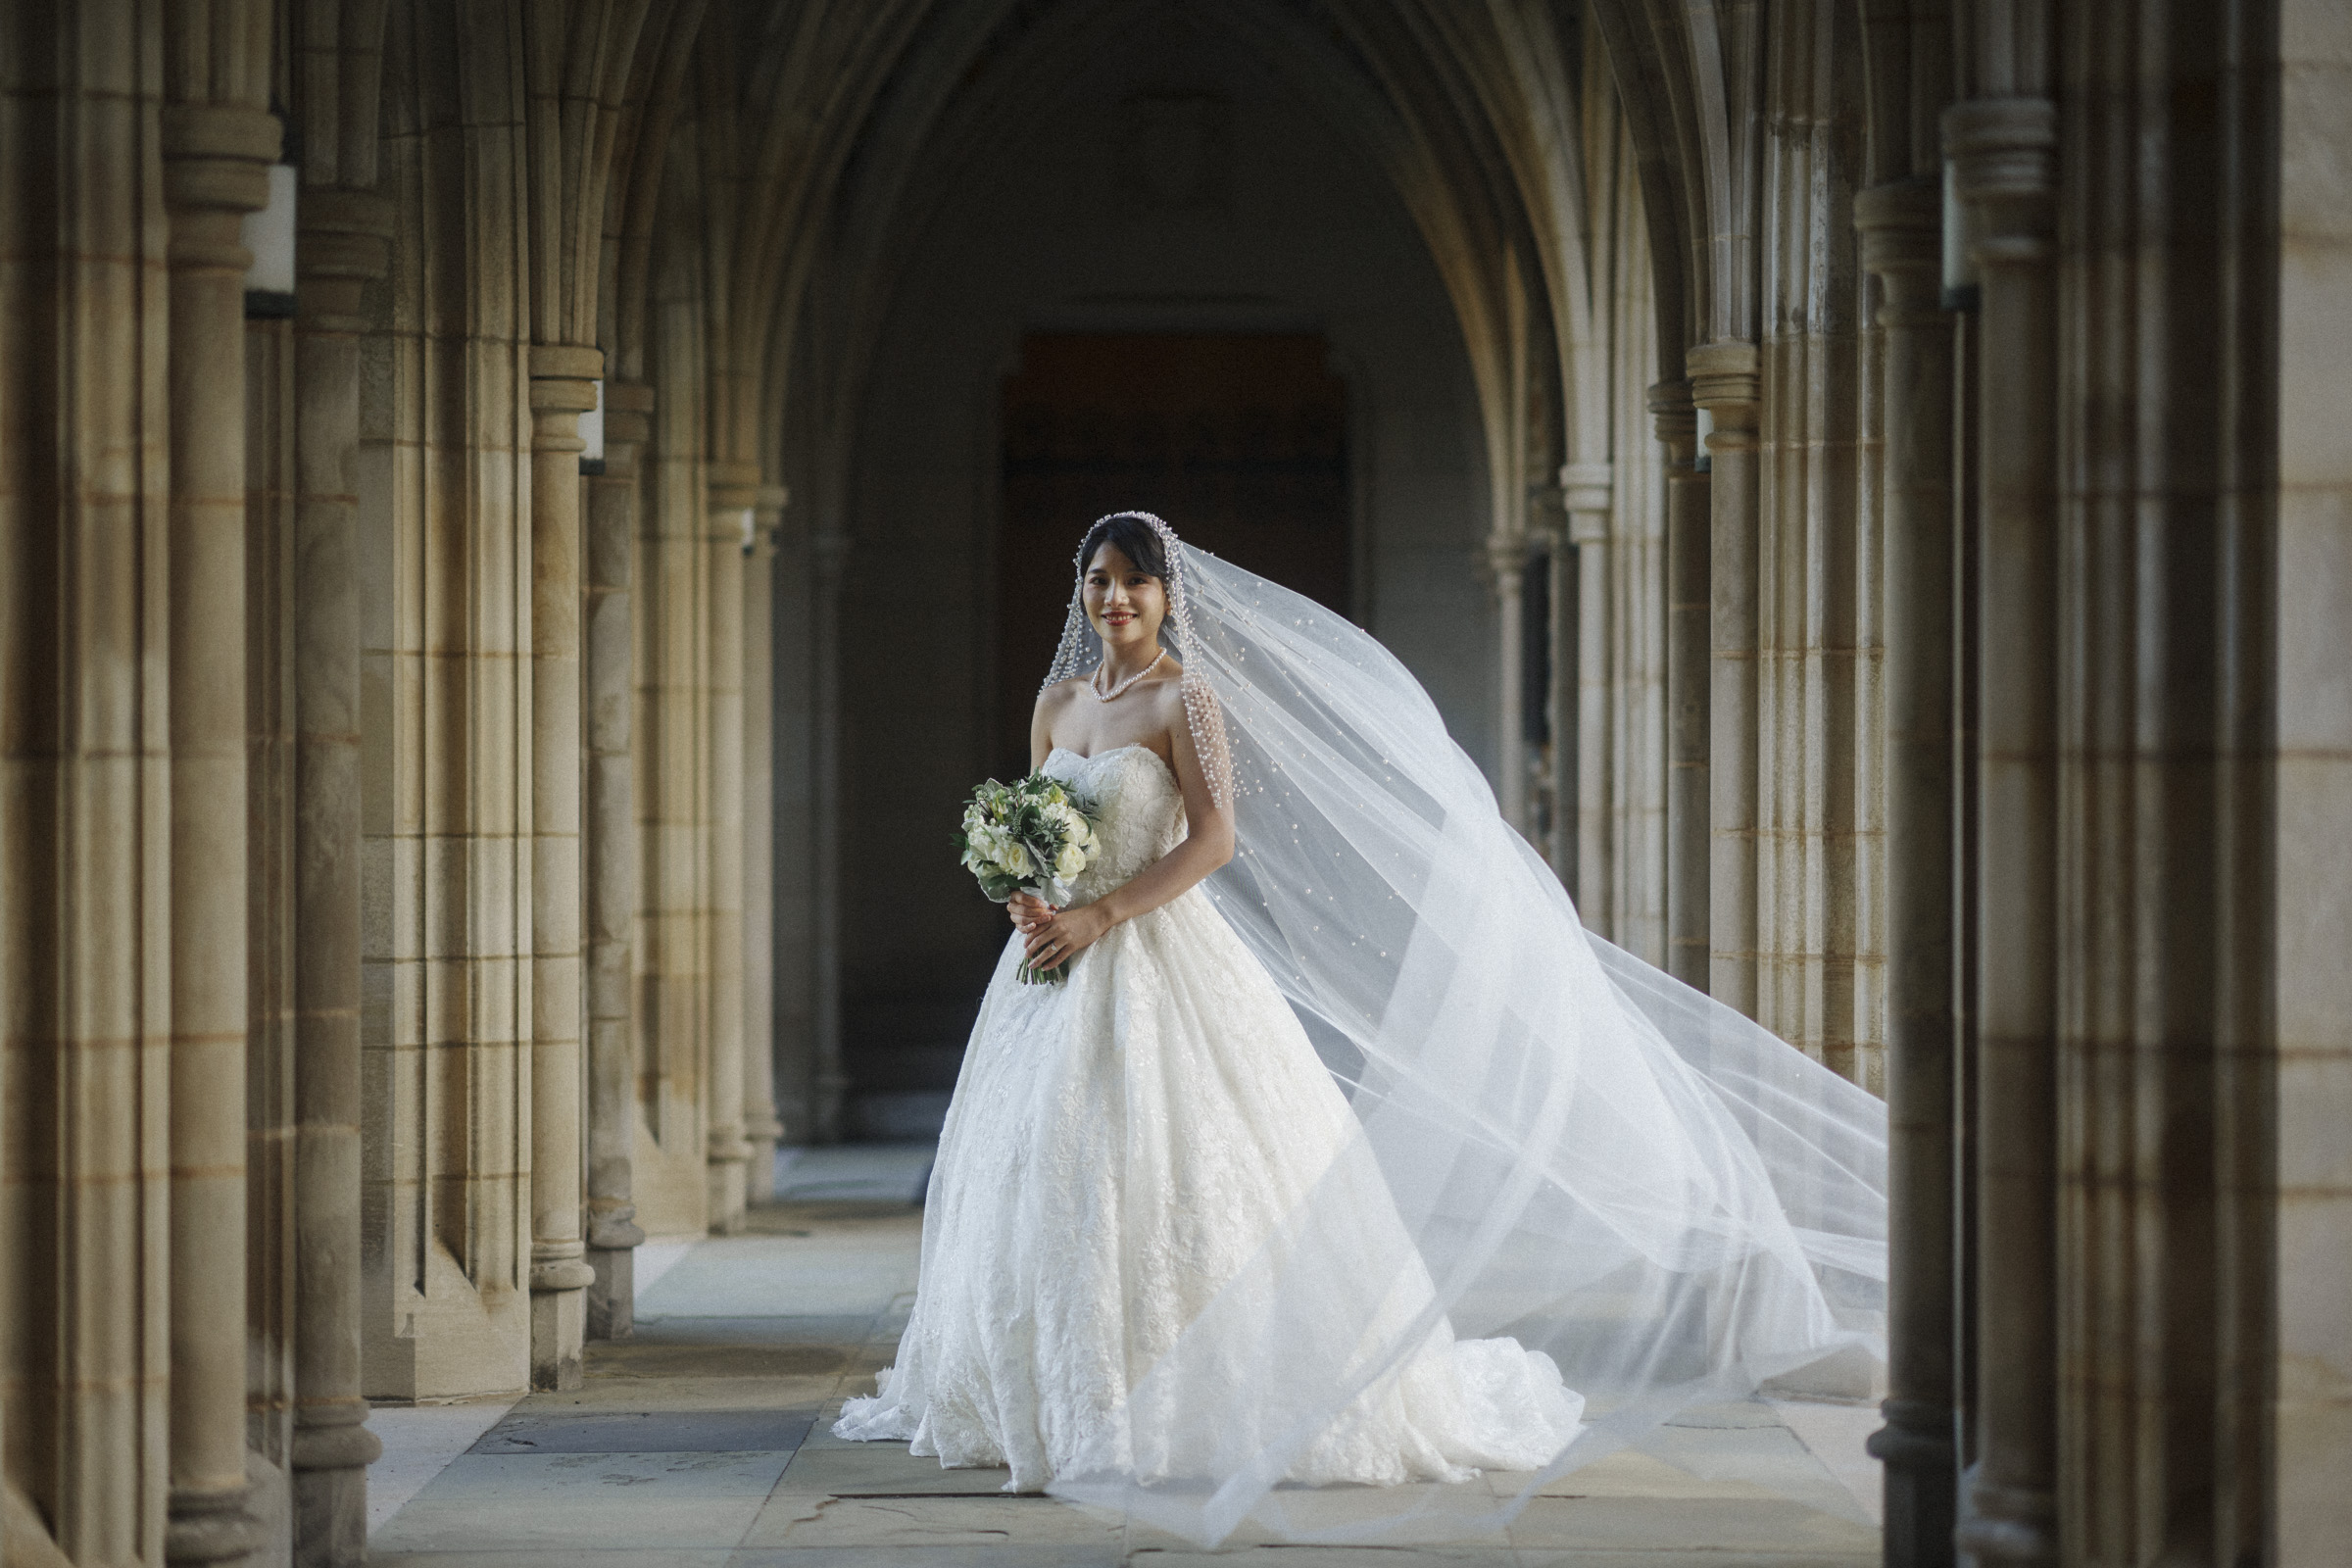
x,y
851,1469
986,1520
418,1443
1627,1473
1325,1558
1694,1560
651,1390
956,1556
854,1172
566,1557
839,1329
819,1275
1771,1458
613,1502
1705,1524
541,1431
673,1358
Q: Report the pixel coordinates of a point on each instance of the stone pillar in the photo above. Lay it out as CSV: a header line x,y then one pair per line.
x,y
2310,854
1688,682
760,1125
1902,227
1558,798
734,494
86,841
1585,496
563,387
343,245
2005,151
829,554
1505,566
607,652
1725,381
215,170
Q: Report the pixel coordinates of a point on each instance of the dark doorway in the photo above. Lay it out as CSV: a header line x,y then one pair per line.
x,y
1238,439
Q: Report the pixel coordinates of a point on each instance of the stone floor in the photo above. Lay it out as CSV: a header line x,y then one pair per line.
x,y
703,1443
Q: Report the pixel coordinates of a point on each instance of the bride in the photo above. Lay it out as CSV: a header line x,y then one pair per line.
x,y
1345,1155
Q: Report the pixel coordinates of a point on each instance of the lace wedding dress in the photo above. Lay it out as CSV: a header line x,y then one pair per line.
x,y
1118,1150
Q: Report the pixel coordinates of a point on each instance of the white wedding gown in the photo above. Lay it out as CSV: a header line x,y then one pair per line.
x,y
1119,1149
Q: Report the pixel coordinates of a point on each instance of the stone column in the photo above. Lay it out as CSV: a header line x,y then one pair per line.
x,y
760,1125
1689,681
1558,798
2310,857
1505,566
1901,228
86,841
1585,496
2005,151
734,494
215,170
343,245
829,554
1725,381
563,387
607,652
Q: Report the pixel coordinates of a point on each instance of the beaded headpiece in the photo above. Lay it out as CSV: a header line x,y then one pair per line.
x,y
1081,649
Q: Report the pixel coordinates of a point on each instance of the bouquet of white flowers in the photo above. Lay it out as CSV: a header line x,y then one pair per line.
x,y
1033,836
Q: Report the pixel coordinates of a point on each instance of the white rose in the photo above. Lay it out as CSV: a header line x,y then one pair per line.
x,y
1070,862
1014,860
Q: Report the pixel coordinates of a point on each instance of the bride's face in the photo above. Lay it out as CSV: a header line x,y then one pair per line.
x,y
1124,603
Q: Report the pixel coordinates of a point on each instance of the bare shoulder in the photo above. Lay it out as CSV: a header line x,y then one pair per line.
x,y
1060,695
1166,694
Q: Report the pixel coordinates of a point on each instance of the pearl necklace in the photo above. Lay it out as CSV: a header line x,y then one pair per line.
x,y
1120,689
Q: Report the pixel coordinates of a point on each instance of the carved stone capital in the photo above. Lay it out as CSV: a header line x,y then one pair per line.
x,y
1901,224
732,486
567,361
628,415
1675,419
1502,562
1727,382
1587,493
345,243
218,156
2004,153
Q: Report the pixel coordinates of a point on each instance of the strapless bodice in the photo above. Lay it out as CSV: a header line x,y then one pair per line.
x,y
1139,811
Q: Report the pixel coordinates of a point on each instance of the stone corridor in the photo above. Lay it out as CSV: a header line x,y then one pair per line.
x,y
702,1441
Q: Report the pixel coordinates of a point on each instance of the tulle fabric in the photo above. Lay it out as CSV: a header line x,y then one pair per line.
x,y
1581,1153
1119,1149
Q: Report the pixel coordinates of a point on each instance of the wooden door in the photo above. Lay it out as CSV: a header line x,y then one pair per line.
x,y
1238,440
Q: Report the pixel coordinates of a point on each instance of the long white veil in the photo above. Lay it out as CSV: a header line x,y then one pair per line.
x,y
1587,1156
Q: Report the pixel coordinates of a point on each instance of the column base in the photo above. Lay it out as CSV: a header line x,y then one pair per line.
x,y
212,1527
1921,1484
2000,1525
559,1333
330,1459
760,1171
612,1294
727,1182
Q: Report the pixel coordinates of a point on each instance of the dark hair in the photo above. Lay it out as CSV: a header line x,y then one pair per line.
x,y
1133,537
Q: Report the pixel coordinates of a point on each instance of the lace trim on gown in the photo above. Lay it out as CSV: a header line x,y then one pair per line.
x,y
1116,1150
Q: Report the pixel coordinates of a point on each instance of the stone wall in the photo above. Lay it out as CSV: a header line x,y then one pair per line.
x,y
434,857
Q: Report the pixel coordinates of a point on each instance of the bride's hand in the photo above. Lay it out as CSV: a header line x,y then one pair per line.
x,y
1070,933
1029,912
